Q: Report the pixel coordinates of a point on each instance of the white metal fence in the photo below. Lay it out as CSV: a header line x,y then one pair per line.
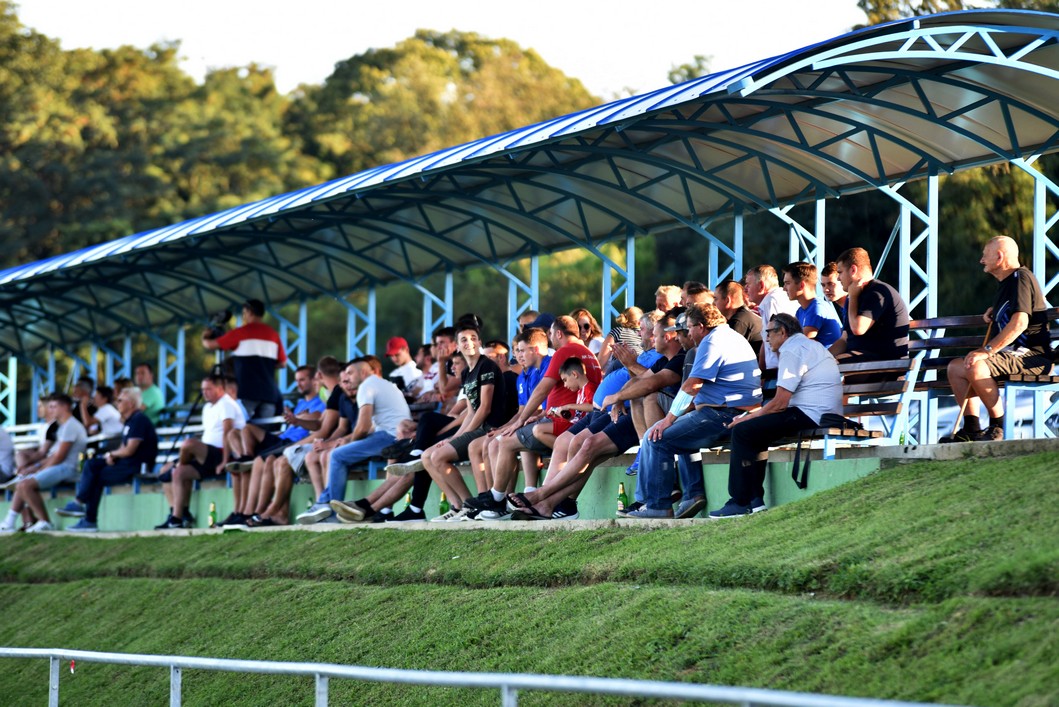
x,y
509,684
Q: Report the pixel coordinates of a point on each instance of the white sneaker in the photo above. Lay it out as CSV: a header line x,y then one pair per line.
x,y
405,468
461,516
39,527
7,529
446,516
317,513
347,512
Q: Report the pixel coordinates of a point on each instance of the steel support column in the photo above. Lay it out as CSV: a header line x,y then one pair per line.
x,y
443,303
611,291
115,365
43,383
805,245
171,365
360,326
1045,249
293,337
733,268
8,391
521,296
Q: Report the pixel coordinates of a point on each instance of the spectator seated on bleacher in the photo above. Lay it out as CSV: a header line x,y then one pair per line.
x,y
203,458
731,301
818,319
105,420
25,458
380,408
809,386
139,447
485,388
626,331
1017,342
834,292
59,466
280,472
875,324
724,380
253,447
153,400
405,371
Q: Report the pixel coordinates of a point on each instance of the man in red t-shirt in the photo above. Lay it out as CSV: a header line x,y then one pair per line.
x,y
522,433
257,352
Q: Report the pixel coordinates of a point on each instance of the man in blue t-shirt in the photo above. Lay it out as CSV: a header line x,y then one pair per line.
x,y
256,449
139,447
818,319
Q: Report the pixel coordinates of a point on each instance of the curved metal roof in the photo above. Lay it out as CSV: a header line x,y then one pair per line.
x,y
881,105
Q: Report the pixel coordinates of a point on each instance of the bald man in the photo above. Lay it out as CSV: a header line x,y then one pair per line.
x,y
1017,342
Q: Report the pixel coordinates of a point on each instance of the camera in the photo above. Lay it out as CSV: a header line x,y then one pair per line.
x,y
218,324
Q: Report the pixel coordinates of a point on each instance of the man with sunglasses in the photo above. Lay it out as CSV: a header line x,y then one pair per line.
x,y
809,386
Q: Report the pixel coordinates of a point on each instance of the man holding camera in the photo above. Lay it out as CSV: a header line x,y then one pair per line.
x,y
257,352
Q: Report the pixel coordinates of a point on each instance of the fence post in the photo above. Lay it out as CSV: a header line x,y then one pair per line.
x,y
508,696
53,682
175,687
321,690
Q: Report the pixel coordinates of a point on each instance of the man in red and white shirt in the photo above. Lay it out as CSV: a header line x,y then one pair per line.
x,y
257,352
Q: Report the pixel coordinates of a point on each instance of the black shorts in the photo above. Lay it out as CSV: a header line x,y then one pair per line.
x,y
622,433
1006,363
462,443
591,421
525,435
268,441
273,450
208,468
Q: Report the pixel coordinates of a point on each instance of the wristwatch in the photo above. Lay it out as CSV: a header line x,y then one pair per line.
x,y
988,349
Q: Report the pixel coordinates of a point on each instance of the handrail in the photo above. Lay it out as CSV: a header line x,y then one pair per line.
x,y
508,683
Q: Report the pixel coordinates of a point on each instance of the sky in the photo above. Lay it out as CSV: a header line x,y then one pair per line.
x,y
615,48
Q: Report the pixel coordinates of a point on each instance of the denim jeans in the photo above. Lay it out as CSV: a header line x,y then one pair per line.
x,y
95,475
689,466
346,456
690,433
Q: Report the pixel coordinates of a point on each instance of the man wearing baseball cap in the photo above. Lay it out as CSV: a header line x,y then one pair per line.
x,y
400,356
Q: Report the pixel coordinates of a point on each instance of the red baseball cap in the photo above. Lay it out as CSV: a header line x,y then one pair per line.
x,y
395,344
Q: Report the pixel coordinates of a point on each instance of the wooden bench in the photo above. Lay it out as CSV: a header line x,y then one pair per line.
x,y
939,342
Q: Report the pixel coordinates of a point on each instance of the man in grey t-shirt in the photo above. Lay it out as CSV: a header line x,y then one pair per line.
x,y
60,465
808,386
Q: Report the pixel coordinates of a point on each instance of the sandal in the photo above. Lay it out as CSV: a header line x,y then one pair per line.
x,y
518,502
529,513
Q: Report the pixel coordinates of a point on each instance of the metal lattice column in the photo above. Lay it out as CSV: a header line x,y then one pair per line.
x,y
8,394
733,254
171,365
613,292
443,303
521,296
1045,250
805,245
360,326
293,337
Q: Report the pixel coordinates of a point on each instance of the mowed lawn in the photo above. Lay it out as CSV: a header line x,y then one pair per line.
x,y
932,581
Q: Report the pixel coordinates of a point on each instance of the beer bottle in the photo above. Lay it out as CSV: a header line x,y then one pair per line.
x,y
443,505
623,500
213,515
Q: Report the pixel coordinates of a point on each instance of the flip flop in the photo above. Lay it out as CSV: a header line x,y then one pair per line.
x,y
261,523
518,502
529,513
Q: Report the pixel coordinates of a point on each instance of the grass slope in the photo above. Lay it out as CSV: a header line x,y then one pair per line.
x,y
933,581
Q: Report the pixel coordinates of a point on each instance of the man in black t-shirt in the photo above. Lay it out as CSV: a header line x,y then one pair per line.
x,y
875,323
139,447
485,389
730,299
1018,342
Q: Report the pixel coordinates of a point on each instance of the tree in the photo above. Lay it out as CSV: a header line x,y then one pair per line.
x,y
430,91
698,66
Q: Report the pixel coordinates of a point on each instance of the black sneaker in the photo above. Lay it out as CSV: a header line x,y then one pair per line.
x,y
170,523
233,519
189,520
566,510
398,449
964,435
634,506
993,433
381,517
406,516
484,502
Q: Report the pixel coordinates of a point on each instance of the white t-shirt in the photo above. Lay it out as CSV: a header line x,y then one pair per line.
x,y
810,373
110,424
213,417
408,372
775,302
388,403
71,431
7,454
